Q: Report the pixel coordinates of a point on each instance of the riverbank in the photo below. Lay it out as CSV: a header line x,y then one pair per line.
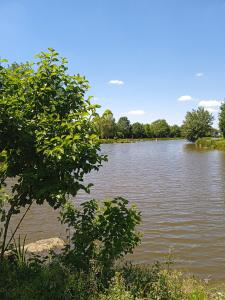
x,y
134,140
55,280
210,143
48,276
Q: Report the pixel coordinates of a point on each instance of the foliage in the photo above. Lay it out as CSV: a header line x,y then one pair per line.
x,y
123,127
197,124
102,233
160,282
106,125
209,143
168,286
160,128
131,140
46,282
55,281
137,130
117,290
47,138
175,131
139,279
19,251
148,130
222,119
3,211
107,128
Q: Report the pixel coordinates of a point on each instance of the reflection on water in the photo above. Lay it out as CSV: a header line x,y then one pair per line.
x,y
180,191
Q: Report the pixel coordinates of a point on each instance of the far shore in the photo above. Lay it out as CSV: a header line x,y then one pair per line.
x,y
134,140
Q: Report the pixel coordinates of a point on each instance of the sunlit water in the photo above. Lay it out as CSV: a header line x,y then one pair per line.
x,y
180,191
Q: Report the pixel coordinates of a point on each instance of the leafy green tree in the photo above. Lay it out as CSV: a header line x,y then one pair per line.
x,y
222,119
138,130
107,125
197,124
148,130
123,127
160,128
175,131
97,124
47,138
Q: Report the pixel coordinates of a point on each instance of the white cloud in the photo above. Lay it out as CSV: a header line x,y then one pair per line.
x,y
199,74
137,112
185,98
211,110
116,82
209,103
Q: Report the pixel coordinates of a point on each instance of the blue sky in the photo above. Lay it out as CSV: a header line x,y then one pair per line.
x,y
147,59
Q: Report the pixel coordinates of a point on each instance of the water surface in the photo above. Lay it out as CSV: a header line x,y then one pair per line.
x,y
180,191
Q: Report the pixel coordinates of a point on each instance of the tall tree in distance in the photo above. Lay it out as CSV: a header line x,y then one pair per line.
x,y
138,130
175,131
107,125
148,130
107,128
123,127
160,128
222,119
197,124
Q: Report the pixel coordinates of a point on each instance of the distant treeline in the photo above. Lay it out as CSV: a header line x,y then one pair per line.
x,y
197,124
108,128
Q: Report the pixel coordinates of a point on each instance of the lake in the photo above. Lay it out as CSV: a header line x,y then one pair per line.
x,y
180,191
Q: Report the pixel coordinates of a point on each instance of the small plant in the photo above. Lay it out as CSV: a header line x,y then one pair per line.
x,y
117,290
139,279
102,233
19,251
2,213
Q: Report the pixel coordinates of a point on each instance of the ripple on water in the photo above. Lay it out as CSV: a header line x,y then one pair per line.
x,y
180,192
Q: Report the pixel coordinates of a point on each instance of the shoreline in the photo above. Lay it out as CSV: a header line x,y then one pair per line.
x,y
211,144
135,140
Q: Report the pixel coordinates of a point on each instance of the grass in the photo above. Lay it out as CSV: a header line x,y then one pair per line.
x,y
133,140
128,282
210,143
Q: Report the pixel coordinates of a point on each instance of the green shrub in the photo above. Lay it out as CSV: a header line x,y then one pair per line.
x,y
208,143
55,281
117,290
102,233
139,279
45,282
